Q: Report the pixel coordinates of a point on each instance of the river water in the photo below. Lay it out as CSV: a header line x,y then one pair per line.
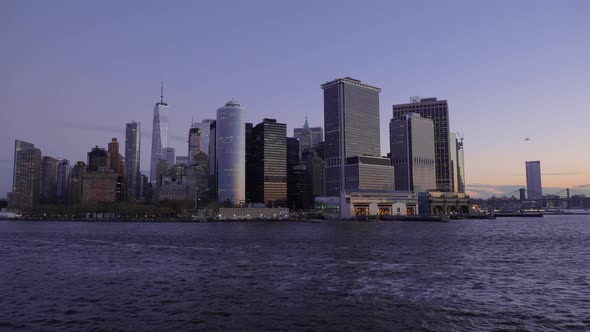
x,y
505,274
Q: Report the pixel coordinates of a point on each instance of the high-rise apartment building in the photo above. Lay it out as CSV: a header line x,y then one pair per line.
x,y
438,111
268,144
460,165
48,179
76,182
25,177
411,141
132,159
159,134
115,158
308,137
533,180
230,153
351,123
194,144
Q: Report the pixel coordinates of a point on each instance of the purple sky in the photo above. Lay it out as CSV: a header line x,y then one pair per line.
x,y
74,72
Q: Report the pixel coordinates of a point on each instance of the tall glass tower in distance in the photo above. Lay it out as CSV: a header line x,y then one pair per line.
x,y
533,180
159,134
132,154
230,145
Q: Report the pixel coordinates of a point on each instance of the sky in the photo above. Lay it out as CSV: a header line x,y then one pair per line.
x,y
74,72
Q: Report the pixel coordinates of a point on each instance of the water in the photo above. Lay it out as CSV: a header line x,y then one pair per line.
x,y
504,274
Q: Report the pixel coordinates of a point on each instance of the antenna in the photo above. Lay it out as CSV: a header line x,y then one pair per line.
x,y
161,92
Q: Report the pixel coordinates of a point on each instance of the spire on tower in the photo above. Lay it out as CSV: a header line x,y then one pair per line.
x,y
161,92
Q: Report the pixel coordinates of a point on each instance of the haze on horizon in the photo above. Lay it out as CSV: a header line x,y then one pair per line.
x,y
76,72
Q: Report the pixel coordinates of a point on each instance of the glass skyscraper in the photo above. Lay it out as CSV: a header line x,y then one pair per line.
x,y
159,134
230,145
132,159
351,124
26,176
533,180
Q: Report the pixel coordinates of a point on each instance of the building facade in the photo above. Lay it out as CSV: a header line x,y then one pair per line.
x,y
213,161
98,160
115,158
169,154
369,173
98,187
48,179
230,153
438,111
159,134
26,177
132,159
533,180
268,171
308,137
411,141
204,135
63,180
351,123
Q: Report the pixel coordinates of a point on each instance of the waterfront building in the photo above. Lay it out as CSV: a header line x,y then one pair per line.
x,y
351,123
438,111
98,160
48,179
25,177
443,203
533,180
204,135
169,154
369,203
159,134
230,153
63,180
308,137
411,141
132,160
173,191
99,187
268,172
368,173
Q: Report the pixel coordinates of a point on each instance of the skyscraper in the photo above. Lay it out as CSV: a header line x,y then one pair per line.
x,y
26,176
63,179
213,161
454,162
115,158
533,180
132,159
269,151
230,153
169,155
308,137
194,144
159,134
411,140
48,179
204,135
438,111
351,123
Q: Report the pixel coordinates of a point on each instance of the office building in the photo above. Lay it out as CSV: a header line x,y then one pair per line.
x,y
115,158
76,182
63,180
204,134
99,187
132,159
368,173
533,180
169,154
230,154
159,134
308,137
213,161
48,179
351,123
182,160
268,146
25,177
411,141
98,160
194,144
438,111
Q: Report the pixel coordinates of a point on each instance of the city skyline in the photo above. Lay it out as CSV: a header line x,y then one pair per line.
x,y
510,64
